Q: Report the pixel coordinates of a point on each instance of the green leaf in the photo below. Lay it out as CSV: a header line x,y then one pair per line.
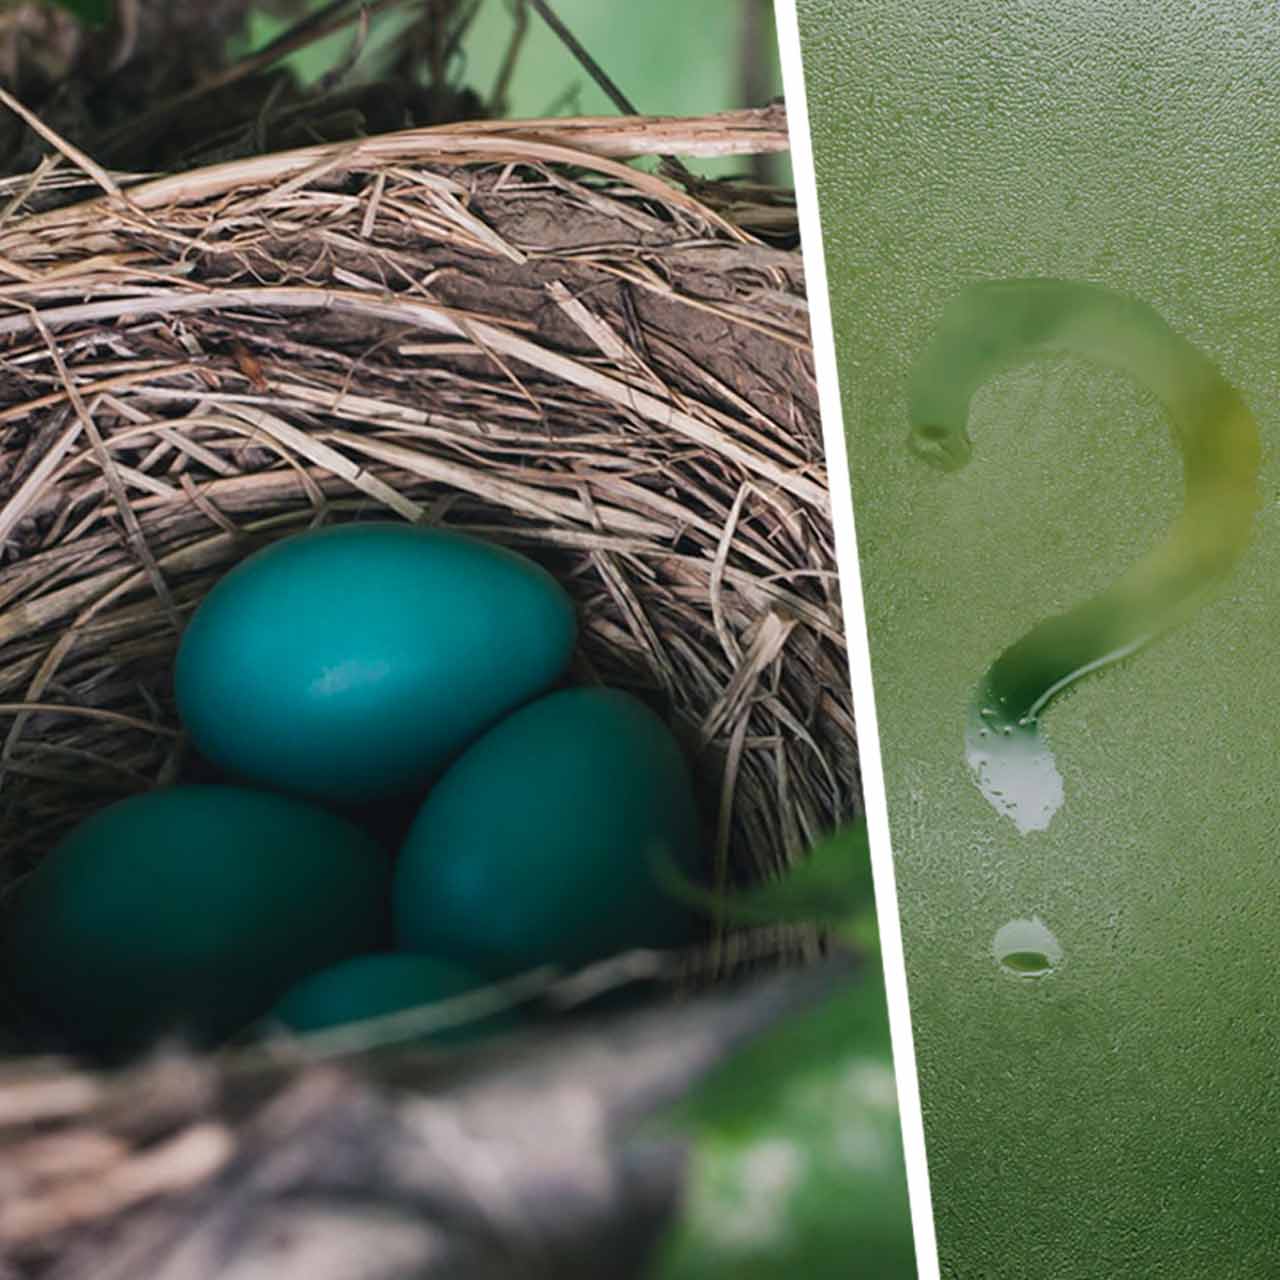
x,y
797,1170
93,13
831,886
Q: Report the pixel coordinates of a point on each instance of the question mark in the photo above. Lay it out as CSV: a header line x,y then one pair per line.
x,y
994,325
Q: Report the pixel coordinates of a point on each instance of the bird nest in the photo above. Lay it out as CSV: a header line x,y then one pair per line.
x,y
501,329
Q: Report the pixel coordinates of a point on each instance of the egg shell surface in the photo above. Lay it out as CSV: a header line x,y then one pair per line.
x,y
189,911
375,985
350,663
537,845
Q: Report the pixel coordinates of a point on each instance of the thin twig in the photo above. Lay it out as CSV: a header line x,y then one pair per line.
x,y
602,79
502,81
314,26
73,153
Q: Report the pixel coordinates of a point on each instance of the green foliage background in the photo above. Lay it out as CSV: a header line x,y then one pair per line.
x,y
798,1164
670,57
93,12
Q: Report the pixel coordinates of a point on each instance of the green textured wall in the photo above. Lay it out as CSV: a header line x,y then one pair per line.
x,y
1121,1115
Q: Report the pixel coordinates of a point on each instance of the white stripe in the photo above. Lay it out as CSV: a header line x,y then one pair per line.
x,y
859,654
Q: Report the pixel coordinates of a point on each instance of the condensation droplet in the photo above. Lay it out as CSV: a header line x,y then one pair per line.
x,y
1026,948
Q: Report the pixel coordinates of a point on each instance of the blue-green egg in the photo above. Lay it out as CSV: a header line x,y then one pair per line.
x,y
189,911
374,986
350,663
538,845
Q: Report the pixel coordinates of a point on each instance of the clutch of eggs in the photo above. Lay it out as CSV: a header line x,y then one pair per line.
x,y
345,666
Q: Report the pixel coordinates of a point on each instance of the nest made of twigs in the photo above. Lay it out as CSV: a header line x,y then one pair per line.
x,y
493,329
489,331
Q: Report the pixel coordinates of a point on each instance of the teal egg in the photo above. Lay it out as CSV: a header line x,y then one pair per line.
x,y
190,911
350,663
375,985
537,845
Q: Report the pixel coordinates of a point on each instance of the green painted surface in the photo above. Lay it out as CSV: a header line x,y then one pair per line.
x,y
1107,1105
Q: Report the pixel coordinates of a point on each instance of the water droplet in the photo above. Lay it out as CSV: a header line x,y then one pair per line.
x,y
1026,948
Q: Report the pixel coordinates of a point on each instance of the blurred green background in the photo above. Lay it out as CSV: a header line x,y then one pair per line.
x,y
1118,1117
670,57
